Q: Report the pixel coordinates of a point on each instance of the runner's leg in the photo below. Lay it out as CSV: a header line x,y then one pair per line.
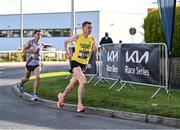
x,y
26,76
70,86
37,78
77,72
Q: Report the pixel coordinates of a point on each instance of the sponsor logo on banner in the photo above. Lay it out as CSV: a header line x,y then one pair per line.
x,y
131,62
140,63
135,57
112,56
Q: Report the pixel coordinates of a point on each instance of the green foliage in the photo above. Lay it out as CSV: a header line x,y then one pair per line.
x,y
153,32
153,28
2,59
46,58
176,46
16,57
20,57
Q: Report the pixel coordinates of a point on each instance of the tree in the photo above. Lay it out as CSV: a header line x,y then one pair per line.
x,y
153,32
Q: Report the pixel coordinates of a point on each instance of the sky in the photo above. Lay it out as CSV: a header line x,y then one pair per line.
x,y
44,6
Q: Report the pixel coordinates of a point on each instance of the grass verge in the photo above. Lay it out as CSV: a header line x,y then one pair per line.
x,y
137,101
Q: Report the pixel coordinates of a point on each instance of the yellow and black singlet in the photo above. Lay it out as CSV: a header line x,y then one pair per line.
x,y
83,48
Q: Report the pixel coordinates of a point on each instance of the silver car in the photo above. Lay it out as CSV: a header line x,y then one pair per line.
x,y
48,47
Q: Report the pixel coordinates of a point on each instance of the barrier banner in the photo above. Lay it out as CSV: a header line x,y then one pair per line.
x,y
91,66
110,61
140,63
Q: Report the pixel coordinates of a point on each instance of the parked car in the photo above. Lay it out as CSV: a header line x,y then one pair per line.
x,y
49,51
48,47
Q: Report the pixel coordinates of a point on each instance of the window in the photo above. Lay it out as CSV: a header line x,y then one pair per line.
x,y
66,32
49,33
3,33
57,33
25,33
29,33
9,33
16,33
54,33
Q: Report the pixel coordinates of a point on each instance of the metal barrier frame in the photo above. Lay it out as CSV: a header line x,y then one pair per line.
x,y
97,71
160,86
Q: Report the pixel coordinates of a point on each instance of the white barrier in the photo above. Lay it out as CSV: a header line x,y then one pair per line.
x,y
51,54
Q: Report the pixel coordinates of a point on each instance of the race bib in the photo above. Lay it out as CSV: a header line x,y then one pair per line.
x,y
83,54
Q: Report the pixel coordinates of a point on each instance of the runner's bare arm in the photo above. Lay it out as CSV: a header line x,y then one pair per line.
x,y
27,49
69,40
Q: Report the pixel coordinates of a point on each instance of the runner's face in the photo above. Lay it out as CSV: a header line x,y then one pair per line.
x,y
87,29
37,35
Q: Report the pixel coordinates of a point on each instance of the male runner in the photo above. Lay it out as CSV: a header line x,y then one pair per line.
x,y
84,45
33,63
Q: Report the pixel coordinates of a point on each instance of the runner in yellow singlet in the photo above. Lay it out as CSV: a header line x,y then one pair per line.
x,y
84,45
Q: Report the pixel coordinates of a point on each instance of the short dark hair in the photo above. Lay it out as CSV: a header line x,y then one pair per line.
x,y
85,23
37,30
106,34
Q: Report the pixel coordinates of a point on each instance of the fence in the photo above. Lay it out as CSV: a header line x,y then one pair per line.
x,y
144,64
175,73
8,56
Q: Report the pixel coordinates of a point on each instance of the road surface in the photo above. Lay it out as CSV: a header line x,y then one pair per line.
x,y
18,113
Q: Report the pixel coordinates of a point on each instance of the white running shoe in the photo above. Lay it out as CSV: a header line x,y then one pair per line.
x,y
34,97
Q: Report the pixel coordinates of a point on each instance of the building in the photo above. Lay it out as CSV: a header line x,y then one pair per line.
x,y
56,27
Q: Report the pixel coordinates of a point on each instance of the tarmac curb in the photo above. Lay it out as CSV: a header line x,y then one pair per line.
x,y
172,122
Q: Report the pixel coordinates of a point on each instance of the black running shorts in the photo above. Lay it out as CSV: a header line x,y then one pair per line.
x,y
74,64
31,68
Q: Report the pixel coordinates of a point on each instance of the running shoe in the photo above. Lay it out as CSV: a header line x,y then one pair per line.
x,y
34,97
20,88
60,103
80,108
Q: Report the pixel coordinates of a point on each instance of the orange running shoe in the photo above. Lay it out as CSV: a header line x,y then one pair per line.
x,y
60,103
80,108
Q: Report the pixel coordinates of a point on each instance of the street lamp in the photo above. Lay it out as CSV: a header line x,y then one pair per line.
x,y
72,18
21,25
71,45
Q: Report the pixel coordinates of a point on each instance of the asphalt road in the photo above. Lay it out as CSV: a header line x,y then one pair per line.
x,y
18,113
